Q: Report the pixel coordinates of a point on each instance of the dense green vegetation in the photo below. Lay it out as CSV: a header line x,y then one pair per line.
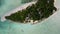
x,y
42,9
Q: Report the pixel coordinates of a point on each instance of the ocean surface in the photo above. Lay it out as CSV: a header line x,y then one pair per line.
x,y
49,26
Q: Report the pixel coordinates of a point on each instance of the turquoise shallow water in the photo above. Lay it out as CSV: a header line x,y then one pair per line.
x,y
50,26
8,5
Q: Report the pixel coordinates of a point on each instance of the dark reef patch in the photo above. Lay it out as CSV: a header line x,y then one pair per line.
x,y
1,2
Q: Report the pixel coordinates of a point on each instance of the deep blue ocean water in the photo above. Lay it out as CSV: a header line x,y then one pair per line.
x,y
50,26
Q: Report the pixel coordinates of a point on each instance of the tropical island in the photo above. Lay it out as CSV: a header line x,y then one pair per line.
x,y
42,9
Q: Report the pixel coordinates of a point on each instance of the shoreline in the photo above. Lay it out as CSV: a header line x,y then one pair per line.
x,y
23,6
17,9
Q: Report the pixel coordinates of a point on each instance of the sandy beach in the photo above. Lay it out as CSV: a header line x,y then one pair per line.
x,y
16,9
19,8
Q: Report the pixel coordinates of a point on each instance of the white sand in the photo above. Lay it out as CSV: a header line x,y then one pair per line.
x,y
20,8
17,9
